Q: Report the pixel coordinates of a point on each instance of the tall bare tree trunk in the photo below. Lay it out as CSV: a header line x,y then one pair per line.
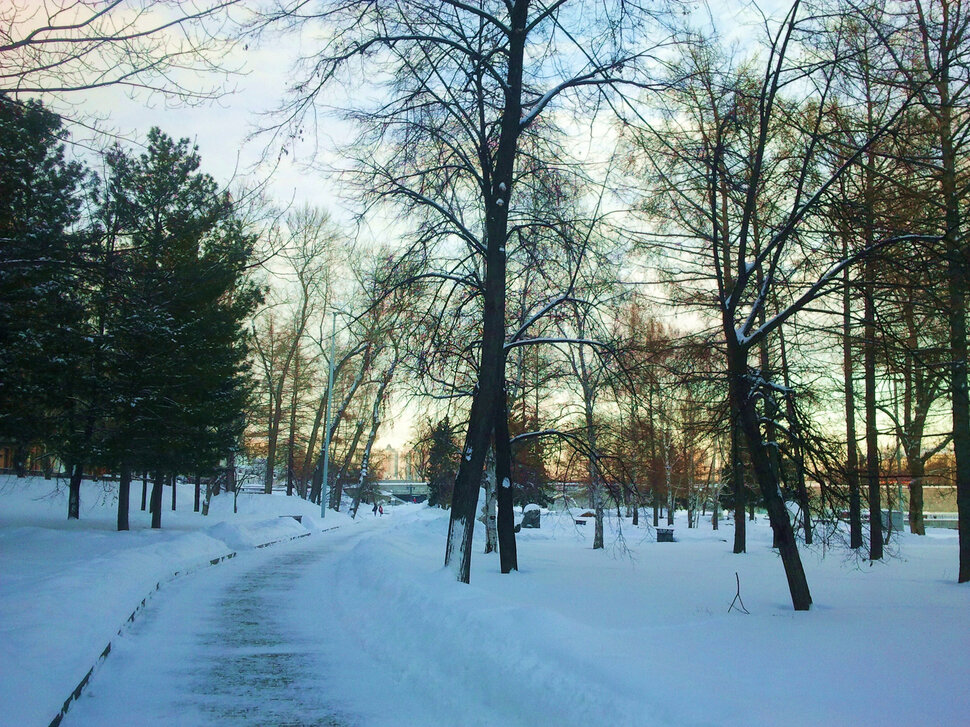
x,y
956,271
852,453
291,437
798,456
872,434
156,500
74,493
505,516
491,369
375,426
337,491
124,495
737,483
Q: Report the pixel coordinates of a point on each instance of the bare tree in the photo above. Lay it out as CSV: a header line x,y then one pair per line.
x,y
759,160
66,46
463,85
938,74
279,335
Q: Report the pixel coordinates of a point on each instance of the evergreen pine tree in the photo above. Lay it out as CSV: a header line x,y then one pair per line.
x,y
181,298
44,338
442,465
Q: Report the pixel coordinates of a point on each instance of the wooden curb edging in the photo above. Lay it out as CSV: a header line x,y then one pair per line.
x,y
79,689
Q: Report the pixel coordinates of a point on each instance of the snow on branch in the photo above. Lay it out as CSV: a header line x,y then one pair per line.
x,y
537,341
559,300
746,340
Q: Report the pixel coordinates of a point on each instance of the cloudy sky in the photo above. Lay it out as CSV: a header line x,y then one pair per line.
x,y
222,128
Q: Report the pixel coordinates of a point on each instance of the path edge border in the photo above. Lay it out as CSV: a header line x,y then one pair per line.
x,y
79,689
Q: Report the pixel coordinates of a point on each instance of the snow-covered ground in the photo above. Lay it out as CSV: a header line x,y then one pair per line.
x,y
636,634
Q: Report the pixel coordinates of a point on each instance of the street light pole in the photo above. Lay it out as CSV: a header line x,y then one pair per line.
x,y
325,487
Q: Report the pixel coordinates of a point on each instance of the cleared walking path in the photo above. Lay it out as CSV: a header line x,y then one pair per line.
x,y
219,647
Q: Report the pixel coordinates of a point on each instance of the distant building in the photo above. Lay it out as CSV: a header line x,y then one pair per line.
x,y
395,464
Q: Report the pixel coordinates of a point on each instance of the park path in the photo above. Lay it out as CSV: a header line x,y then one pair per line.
x,y
219,647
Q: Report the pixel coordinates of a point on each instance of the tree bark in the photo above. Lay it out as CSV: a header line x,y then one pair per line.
x,y
276,414
20,460
291,437
737,482
208,498
74,493
124,496
198,492
956,271
156,501
872,434
488,517
916,524
505,522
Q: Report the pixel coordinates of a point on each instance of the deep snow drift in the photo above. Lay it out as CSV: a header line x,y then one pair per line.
x,y
636,634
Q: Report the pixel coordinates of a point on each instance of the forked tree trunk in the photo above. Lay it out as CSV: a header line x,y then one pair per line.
x,y
375,426
491,370
744,407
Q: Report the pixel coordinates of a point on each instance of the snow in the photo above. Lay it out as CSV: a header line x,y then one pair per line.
x,y
638,633
66,587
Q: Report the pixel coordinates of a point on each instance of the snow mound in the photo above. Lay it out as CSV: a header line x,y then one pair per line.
x,y
253,534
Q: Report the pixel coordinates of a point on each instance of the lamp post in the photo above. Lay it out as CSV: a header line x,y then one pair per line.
x,y
325,486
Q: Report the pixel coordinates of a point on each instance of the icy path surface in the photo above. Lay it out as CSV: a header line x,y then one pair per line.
x,y
218,648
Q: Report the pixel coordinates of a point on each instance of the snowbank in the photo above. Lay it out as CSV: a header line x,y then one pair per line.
x,y
639,633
